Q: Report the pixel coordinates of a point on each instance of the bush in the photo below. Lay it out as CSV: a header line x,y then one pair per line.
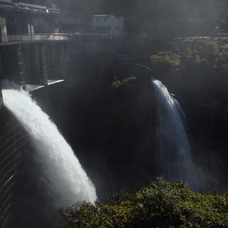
x,y
118,83
165,60
160,204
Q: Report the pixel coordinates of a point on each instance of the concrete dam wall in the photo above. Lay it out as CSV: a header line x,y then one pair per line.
x,y
13,144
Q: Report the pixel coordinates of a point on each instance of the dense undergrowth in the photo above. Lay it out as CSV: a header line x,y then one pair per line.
x,y
160,204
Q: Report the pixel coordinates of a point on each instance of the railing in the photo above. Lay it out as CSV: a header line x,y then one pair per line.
x,y
5,38
25,37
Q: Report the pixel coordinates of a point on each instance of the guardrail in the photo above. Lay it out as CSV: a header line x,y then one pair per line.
x,y
5,38
25,37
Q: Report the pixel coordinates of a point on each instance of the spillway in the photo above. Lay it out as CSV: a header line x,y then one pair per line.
x,y
50,175
174,158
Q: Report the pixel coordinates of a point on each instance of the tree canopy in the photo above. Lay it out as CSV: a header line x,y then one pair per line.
x,y
160,204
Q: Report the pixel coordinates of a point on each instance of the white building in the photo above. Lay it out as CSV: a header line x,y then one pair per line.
x,y
108,26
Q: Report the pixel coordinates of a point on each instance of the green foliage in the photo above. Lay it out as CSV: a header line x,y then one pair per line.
x,y
160,204
194,67
118,83
165,60
195,52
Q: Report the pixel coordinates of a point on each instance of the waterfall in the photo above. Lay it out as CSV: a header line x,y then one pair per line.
x,y
55,163
174,159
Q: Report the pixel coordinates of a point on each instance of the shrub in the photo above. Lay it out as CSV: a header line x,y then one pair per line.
x,y
165,60
118,83
160,204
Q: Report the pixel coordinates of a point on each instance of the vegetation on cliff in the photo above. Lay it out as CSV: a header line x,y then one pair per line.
x,y
160,204
195,67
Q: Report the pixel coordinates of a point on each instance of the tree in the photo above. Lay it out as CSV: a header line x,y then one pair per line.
x,y
160,204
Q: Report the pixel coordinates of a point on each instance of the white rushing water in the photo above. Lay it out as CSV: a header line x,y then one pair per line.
x,y
174,158
59,168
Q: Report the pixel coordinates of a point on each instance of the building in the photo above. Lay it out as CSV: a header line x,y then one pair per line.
x,y
109,26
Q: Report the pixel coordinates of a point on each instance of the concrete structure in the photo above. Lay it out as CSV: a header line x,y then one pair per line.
x,y
21,21
33,64
108,26
12,146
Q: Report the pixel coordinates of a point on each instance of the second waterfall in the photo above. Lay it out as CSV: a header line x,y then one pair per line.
x,y
174,158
